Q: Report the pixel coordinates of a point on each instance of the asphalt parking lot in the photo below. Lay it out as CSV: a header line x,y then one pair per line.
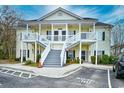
x,y
84,78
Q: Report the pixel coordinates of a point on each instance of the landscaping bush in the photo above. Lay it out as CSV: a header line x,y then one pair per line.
x,y
112,59
28,62
93,59
105,59
77,60
17,59
38,57
1,54
68,61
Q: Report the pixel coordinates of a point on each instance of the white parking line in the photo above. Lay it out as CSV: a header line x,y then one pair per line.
x,y
109,80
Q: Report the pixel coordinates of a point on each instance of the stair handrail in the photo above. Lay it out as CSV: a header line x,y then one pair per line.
x,y
73,39
63,54
43,40
45,53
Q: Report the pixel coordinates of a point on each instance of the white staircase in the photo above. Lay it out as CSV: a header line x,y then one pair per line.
x,y
56,58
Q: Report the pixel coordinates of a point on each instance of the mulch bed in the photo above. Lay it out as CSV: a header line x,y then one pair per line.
x,y
7,62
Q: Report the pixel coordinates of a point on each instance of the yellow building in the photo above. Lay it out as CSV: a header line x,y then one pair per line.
x,y
62,34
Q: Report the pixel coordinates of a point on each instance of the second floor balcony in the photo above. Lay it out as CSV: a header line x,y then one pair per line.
x,y
84,36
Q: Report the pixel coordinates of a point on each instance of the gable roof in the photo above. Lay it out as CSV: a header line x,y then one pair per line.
x,y
71,14
60,9
103,24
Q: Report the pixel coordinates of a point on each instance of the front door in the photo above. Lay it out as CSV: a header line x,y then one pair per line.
x,y
83,54
59,35
56,35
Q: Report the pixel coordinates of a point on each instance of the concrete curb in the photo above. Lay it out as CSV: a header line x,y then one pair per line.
x,y
64,73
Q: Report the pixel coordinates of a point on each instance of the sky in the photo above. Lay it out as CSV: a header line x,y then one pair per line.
x,y
105,13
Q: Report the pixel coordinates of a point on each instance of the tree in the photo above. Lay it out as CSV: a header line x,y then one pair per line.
x,y
8,23
118,37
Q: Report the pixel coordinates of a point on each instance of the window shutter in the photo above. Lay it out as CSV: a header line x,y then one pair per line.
x,y
74,53
28,53
103,36
103,52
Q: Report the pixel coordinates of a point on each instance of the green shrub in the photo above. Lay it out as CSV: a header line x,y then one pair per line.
x,y
17,59
78,60
105,59
93,59
112,59
38,57
28,62
1,54
68,61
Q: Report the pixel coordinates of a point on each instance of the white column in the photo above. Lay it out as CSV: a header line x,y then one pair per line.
x,y
35,54
39,29
52,32
66,30
26,51
80,52
94,27
96,51
21,51
79,27
39,50
27,28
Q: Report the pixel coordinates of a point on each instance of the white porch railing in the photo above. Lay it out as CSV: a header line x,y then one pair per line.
x,y
42,40
35,37
29,36
88,35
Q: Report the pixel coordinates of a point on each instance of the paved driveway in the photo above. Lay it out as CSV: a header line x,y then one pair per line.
x,y
85,78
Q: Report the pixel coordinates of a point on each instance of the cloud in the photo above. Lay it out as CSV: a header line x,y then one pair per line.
x,y
53,7
116,14
87,12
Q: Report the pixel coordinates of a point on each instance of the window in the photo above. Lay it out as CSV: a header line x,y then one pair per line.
x,y
48,32
28,53
74,32
83,54
24,53
103,36
71,54
56,32
103,52
94,52
63,32
99,52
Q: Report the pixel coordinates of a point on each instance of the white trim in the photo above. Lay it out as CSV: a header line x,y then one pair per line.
x,y
79,27
94,27
35,56
26,51
27,28
52,31
80,52
21,51
66,30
